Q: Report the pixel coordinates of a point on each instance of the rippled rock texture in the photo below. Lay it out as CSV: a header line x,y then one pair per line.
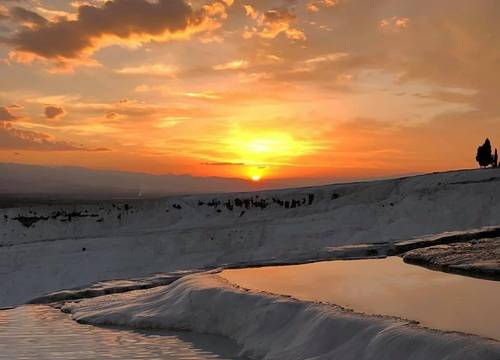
x,y
479,258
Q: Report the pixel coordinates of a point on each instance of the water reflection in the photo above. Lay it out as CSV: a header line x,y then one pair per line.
x,y
40,332
387,287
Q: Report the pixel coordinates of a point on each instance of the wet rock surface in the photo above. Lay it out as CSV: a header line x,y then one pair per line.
x,y
478,258
111,287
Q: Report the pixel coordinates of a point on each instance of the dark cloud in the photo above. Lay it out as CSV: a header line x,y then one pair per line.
x,y
224,163
52,112
21,14
16,139
112,116
122,20
6,115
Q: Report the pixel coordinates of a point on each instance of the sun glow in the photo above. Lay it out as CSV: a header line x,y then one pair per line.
x,y
261,145
264,148
261,151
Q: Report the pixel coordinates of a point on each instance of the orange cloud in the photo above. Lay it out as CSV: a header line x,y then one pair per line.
x,y
232,65
394,24
205,95
4,13
272,23
150,69
314,6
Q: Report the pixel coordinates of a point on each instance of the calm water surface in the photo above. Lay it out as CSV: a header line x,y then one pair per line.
x,y
386,287
44,333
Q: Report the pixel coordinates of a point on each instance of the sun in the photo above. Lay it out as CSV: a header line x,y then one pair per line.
x,y
256,178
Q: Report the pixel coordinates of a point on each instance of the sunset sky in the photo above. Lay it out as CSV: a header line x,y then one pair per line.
x,y
250,88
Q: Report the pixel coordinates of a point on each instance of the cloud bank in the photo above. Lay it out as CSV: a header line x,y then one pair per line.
x,y
125,22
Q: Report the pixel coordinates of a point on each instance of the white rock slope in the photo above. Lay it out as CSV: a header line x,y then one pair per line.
x,y
48,248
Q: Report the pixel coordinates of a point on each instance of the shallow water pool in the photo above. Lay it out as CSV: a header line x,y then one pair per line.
x,y
44,333
386,287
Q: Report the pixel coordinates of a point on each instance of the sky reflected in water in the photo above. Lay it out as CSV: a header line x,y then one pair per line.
x,y
44,333
387,287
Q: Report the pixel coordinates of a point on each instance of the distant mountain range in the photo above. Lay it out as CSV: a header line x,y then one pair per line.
x,y
34,181
22,182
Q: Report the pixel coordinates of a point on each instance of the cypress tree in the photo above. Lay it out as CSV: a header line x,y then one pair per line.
x,y
484,156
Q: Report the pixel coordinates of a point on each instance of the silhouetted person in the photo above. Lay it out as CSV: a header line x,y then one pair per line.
x,y
484,156
495,159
